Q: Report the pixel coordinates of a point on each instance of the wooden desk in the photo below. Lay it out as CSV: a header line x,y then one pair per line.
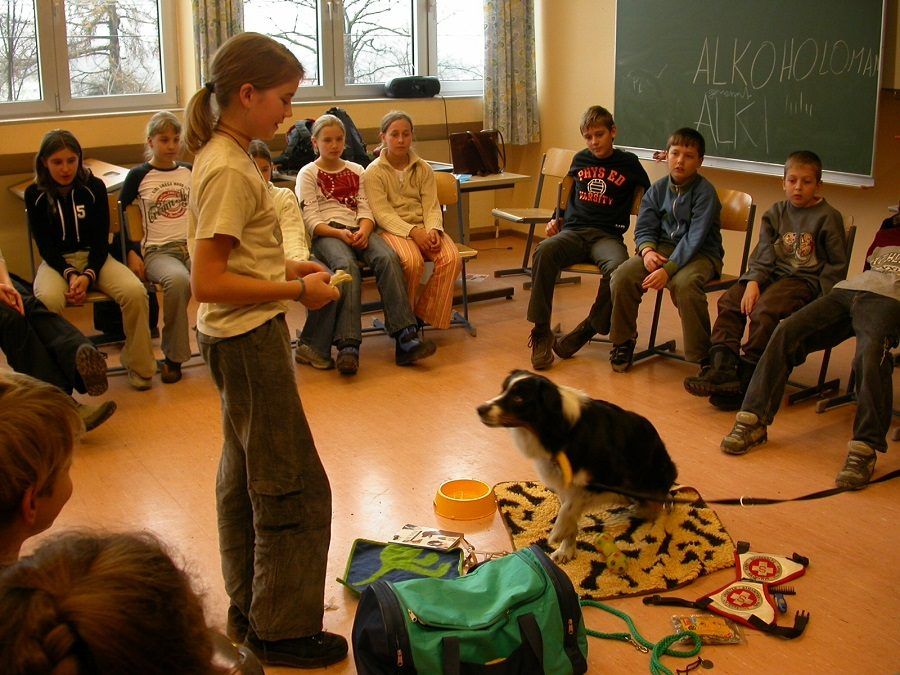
x,y
112,176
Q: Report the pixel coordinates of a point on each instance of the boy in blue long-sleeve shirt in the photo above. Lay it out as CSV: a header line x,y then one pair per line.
x,y
679,246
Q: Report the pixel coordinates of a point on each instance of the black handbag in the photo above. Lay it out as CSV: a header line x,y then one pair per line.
x,y
478,152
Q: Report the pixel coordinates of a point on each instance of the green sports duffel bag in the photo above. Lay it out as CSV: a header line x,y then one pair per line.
x,y
515,614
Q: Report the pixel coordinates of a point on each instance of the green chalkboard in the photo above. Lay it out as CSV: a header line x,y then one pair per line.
x,y
758,78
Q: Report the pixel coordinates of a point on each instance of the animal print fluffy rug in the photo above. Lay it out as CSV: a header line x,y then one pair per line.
x,y
674,549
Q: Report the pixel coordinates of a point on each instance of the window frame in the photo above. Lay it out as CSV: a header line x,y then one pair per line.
x,y
53,68
332,62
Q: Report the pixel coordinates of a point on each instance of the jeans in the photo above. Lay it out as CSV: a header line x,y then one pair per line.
x,y
41,343
688,294
388,276
568,247
170,266
875,321
273,498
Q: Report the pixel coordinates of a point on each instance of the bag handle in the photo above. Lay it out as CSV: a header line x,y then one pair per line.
x,y
528,628
500,148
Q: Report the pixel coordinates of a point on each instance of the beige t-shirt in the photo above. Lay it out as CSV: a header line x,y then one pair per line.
x,y
229,196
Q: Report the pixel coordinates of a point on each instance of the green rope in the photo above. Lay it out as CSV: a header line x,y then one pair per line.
x,y
657,650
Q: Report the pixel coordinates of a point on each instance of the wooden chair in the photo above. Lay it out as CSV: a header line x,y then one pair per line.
x,y
824,387
554,165
449,196
738,214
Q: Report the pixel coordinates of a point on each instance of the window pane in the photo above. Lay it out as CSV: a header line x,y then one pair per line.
x,y
295,24
114,47
377,40
21,78
460,40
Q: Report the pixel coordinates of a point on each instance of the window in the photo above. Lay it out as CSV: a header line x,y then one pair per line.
x,y
350,48
74,55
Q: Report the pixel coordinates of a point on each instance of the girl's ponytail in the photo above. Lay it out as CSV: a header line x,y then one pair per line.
x,y
199,120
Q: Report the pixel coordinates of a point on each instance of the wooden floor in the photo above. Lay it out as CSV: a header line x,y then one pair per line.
x,y
389,436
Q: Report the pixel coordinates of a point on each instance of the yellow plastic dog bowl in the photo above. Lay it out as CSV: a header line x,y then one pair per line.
x,y
465,499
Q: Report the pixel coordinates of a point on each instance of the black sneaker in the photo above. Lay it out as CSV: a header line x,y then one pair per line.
x,y
747,433
91,366
347,361
575,340
698,384
621,356
729,402
316,651
541,343
411,348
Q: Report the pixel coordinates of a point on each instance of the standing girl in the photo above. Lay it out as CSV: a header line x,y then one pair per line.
x,y
272,494
336,212
162,185
403,197
68,213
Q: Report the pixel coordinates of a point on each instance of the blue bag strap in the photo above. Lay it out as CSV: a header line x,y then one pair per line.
x,y
528,628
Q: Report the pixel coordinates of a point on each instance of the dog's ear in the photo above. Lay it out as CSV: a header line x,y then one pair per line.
x,y
549,396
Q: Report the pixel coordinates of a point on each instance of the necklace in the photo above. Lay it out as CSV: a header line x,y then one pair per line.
x,y
237,136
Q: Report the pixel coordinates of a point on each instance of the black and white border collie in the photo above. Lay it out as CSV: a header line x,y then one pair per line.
x,y
578,442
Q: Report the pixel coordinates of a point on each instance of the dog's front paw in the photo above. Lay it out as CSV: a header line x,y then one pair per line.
x,y
564,553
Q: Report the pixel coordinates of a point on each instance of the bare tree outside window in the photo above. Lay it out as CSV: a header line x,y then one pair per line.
x,y
378,37
18,52
294,23
113,47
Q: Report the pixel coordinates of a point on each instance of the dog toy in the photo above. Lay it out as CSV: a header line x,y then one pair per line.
x,y
565,467
340,277
615,559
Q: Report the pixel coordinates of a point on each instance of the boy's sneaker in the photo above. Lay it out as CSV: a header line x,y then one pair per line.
x,y
91,366
541,343
308,356
348,360
858,467
94,415
169,372
747,433
728,402
622,355
139,382
237,625
570,343
411,348
315,651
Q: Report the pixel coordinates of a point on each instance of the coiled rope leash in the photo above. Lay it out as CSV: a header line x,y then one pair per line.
x,y
633,637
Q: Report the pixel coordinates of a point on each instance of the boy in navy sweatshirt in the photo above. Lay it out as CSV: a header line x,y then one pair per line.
x,y
679,247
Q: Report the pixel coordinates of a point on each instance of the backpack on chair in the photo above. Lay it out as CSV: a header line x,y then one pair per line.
x,y
355,150
299,149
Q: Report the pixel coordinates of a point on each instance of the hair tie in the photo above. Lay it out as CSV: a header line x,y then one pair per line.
x,y
211,87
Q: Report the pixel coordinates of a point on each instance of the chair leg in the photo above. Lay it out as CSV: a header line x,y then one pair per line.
x,y
463,319
666,349
524,269
821,388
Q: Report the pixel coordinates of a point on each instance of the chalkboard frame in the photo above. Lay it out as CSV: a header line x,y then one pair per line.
x,y
864,177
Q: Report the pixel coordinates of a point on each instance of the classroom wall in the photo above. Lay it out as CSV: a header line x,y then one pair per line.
x,y
573,79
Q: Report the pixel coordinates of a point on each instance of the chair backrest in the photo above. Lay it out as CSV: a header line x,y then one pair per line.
x,y
738,214
115,220
448,195
555,163
133,221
